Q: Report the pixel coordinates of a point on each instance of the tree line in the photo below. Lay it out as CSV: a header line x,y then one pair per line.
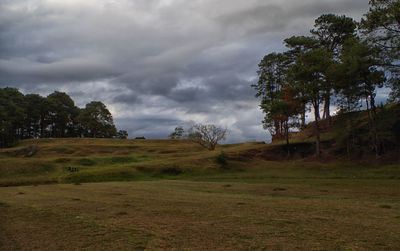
x,y
33,116
341,62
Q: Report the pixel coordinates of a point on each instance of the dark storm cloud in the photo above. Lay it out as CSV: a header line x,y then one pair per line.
x,y
125,98
69,70
155,63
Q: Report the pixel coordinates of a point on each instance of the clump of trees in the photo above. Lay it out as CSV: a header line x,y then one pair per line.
x,y
178,133
122,134
341,61
33,116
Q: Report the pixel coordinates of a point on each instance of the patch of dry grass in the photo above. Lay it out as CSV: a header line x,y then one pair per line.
x,y
183,215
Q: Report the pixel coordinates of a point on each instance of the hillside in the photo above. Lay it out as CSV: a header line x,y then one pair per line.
x,y
94,160
349,136
78,160
182,196
73,160
186,197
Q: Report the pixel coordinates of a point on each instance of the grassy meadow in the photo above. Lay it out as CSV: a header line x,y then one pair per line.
x,y
103,194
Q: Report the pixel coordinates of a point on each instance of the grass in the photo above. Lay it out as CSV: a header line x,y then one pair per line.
x,y
96,160
320,215
173,194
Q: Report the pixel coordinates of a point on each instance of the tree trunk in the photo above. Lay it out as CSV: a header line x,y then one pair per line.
x,y
376,139
317,132
326,114
287,137
303,118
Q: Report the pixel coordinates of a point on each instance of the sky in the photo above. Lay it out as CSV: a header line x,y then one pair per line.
x,y
156,64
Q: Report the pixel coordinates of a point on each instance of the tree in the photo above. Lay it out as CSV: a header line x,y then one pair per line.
x,y
301,44
178,133
207,136
122,134
297,46
278,103
332,31
269,86
309,74
97,121
361,77
62,112
34,115
381,26
285,109
11,116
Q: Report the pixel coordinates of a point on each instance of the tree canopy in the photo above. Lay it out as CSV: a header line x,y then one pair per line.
x,y
381,28
341,63
33,116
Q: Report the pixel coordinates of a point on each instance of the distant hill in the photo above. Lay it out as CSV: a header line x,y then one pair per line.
x,y
74,160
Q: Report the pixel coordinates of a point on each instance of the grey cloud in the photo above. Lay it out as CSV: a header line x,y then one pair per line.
x,y
274,16
151,127
131,98
69,70
157,63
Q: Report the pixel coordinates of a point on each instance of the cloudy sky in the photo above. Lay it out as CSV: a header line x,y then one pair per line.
x,y
156,64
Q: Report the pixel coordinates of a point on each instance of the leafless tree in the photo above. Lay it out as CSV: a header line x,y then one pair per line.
x,y
207,136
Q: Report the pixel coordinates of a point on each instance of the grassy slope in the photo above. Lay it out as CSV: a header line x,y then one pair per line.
x,y
96,160
252,203
123,160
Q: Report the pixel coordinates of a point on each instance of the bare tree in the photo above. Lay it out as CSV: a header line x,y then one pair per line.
x,y
207,136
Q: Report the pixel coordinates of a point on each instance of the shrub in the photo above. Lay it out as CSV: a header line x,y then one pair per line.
x,y
222,159
173,170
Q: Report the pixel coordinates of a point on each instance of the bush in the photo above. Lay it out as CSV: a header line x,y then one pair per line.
x,y
222,159
173,170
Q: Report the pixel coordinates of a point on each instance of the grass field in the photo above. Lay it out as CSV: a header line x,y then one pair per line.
x,y
322,214
174,195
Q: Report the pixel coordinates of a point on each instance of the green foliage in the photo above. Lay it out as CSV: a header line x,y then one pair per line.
x,y
11,116
97,120
178,133
352,131
32,116
388,126
172,170
122,134
309,74
62,112
333,30
300,44
334,58
381,27
278,102
357,75
222,159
